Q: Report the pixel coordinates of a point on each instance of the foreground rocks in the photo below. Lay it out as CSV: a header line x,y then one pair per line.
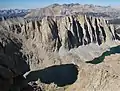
x,y
101,77
12,61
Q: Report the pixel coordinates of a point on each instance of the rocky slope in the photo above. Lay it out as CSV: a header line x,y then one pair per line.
x,y
71,9
61,34
37,44
101,77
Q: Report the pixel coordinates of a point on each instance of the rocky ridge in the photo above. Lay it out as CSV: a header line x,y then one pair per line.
x,y
61,34
38,44
12,13
71,9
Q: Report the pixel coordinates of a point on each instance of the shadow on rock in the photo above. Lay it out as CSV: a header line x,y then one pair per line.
x,y
13,64
59,74
19,61
100,59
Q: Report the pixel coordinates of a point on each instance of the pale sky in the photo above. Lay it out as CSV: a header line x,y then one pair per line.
x,y
10,4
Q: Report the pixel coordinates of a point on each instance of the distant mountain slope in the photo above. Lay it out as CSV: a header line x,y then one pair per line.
x,y
68,9
4,14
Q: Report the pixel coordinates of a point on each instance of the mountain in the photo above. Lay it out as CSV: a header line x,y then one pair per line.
x,y
4,14
71,9
58,45
52,51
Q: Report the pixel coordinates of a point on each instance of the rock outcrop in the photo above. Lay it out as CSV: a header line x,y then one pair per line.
x,y
70,9
13,62
34,44
51,35
101,77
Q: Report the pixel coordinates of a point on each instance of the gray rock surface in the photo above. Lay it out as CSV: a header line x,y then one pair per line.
x,y
36,44
71,9
12,61
45,41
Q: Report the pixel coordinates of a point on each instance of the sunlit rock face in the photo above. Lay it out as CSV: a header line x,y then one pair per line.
x,y
68,31
27,45
53,37
107,12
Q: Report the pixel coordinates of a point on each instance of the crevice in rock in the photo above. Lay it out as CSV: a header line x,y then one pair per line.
x,y
38,25
54,30
87,33
103,32
97,32
80,33
117,36
71,43
85,42
113,38
12,27
18,29
75,33
33,24
93,31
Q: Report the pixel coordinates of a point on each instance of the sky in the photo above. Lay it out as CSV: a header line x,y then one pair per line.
x,y
31,4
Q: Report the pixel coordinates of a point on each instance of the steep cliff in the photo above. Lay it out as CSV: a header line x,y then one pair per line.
x,y
52,35
53,41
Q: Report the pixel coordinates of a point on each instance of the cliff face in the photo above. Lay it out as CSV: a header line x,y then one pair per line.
x,y
60,34
69,31
53,40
